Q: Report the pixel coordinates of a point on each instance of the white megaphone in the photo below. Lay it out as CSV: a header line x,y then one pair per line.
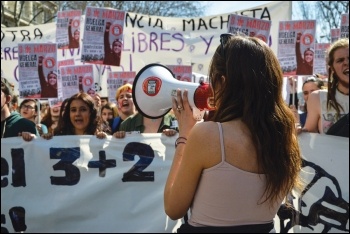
x,y
155,84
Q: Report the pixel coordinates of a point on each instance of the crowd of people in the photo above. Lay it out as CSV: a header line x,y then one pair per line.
x,y
251,137
81,114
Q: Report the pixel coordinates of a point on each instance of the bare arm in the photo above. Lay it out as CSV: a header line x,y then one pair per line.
x,y
187,164
107,47
313,113
299,58
42,79
70,35
184,176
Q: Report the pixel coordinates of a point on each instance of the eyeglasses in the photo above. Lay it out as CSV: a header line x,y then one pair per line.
x,y
29,107
223,40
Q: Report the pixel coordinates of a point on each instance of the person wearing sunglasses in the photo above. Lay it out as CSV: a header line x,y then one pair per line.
x,y
234,171
326,107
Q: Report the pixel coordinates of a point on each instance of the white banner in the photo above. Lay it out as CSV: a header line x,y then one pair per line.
x,y
147,39
87,185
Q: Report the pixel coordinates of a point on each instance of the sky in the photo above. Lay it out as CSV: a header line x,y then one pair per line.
x,y
220,7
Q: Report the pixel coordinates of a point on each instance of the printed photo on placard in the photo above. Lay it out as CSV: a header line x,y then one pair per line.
x,y
103,36
335,34
37,68
344,26
320,64
182,72
68,29
116,80
77,78
296,46
239,24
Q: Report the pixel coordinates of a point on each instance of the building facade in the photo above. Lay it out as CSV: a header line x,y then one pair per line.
x,y
24,13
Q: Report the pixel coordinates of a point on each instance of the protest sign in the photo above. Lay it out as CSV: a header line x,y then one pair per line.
x,y
320,63
77,78
68,29
296,46
344,26
335,34
147,39
37,65
116,80
103,36
181,72
249,26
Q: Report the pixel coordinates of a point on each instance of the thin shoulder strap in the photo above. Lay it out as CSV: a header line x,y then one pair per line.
x,y
221,143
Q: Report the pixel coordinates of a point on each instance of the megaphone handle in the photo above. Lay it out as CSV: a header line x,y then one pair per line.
x,y
197,114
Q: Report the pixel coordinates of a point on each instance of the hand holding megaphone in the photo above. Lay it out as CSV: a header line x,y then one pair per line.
x,y
183,112
154,86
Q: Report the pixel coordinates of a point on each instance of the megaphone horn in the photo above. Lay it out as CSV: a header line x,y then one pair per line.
x,y
155,84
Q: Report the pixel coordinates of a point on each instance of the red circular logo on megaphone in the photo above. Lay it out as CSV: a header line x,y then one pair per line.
x,y
151,85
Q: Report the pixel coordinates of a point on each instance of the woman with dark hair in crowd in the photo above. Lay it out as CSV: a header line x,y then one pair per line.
x,y
51,118
80,118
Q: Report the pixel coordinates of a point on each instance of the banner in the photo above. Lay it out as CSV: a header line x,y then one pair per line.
x,y
147,39
89,185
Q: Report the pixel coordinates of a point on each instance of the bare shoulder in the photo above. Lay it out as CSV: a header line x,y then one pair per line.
x,y
317,95
204,143
204,129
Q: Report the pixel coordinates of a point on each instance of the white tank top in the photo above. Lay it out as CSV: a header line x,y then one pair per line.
x,y
229,196
328,116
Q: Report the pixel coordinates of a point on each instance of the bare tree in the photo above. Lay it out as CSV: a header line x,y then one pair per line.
x,y
326,13
159,8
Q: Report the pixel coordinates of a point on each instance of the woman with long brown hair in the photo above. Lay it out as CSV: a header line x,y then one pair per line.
x,y
79,118
233,172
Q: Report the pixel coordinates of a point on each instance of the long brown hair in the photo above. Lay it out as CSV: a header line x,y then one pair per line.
x,y
333,77
66,127
252,91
